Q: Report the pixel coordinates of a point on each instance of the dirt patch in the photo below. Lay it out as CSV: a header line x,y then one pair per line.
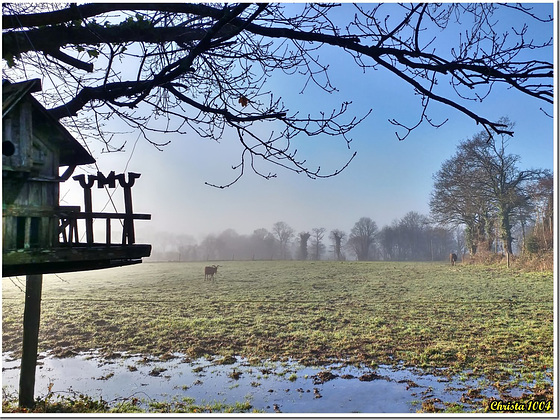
x,y
227,360
323,376
61,352
367,377
409,383
157,371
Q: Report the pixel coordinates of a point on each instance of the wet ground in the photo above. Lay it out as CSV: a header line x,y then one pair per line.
x,y
270,387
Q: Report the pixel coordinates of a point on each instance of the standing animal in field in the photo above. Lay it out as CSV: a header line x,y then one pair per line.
x,y
209,272
452,258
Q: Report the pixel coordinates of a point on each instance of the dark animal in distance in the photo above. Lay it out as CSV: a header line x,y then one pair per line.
x,y
452,258
209,272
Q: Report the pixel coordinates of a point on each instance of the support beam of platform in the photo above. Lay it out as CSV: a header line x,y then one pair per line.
x,y
31,319
75,258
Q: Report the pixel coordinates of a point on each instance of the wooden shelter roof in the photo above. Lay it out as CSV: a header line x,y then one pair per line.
x,y
71,151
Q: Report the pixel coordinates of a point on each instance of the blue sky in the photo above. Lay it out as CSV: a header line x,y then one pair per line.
x,y
387,179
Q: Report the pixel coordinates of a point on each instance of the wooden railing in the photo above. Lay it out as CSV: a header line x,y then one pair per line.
x,y
68,225
69,215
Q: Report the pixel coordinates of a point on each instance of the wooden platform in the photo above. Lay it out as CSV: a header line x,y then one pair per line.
x,y
76,258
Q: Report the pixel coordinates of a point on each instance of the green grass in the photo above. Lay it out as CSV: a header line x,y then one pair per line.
x,y
465,318
86,404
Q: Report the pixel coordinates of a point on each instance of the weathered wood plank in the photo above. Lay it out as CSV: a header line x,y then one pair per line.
x,y
97,215
75,258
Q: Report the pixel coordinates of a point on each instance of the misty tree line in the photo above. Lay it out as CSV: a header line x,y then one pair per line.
x,y
413,238
501,208
481,203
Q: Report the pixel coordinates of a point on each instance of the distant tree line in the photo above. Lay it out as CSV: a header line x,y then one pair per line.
x,y
501,208
412,238
481,203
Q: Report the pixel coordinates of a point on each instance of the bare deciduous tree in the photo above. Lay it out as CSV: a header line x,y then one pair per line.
x,y
337,236
455,201
317,245
415,238
362,237
499,179
303,238
284,233
542,199
480,183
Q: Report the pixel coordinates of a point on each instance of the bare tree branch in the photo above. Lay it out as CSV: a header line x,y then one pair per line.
x,y
206,67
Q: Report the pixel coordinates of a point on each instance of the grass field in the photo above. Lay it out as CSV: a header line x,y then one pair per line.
x,y
468,319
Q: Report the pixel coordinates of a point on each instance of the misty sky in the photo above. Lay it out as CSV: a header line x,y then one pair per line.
x,y
387,179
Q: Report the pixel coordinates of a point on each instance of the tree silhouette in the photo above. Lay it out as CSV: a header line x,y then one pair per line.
x,y
362,237
317,242
337,236
284,233
303,238
480,183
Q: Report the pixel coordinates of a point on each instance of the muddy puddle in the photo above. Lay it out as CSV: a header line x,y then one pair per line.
x,y
270,387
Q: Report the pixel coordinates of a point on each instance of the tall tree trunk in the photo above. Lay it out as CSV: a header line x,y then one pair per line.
x,y
489,237
470,239
505,228
337,249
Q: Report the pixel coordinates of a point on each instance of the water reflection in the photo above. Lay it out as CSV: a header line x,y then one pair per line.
x,y
285,387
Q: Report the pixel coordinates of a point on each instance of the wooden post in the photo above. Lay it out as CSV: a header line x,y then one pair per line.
x,y
128,231
128,228
31,318
108,232
88,208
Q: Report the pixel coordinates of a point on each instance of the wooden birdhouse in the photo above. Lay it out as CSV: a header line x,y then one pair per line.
x,y
39,235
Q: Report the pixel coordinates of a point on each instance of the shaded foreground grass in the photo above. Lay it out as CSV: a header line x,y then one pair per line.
x,y
467,319
85,404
